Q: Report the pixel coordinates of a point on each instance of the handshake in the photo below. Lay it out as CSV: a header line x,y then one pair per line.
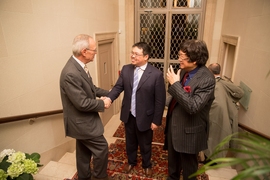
x,y
107,101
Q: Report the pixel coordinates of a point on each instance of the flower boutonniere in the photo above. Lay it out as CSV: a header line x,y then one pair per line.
x,y
18,165
187,89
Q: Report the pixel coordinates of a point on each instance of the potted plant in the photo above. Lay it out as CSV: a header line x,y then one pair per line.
x,y
253,155
18,165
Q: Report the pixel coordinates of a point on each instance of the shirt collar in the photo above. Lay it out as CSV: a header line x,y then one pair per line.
x,y
193,72
78,61
143,67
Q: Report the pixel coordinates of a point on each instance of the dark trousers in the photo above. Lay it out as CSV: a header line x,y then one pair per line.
x,y
178,161
135,138
85,150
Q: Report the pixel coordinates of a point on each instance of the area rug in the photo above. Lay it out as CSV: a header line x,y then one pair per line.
x,y
117,159
158,136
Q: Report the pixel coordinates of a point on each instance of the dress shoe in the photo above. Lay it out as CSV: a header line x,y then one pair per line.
x,y
128,168
148,172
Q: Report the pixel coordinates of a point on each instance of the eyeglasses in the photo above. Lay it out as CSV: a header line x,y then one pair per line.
x,y
92,50
181,58
135,54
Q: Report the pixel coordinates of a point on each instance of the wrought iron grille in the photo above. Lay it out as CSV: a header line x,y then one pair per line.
x,y
152,31
175,3
165,24
183,26
187,3
153,3
158,65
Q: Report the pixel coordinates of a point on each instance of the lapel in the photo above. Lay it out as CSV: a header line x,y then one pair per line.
x,y
131,75
84,75
145,76
196,77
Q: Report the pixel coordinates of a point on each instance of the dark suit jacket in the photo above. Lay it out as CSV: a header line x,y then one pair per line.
x,y
150,96
190,117
80,106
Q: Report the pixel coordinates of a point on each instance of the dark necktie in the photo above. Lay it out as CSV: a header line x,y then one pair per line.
x,y
173,101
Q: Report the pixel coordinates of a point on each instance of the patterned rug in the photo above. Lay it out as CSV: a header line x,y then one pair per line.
x,y
118,158
158,135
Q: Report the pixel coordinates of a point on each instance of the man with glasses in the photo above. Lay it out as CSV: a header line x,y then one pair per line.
x,y
81,110
142,106
187,122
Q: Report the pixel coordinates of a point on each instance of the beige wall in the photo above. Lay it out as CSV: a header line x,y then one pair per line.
x,y
35,43
249,20
43,135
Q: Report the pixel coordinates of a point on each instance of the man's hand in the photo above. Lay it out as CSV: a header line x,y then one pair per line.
x,y
107,102
171,76
153,126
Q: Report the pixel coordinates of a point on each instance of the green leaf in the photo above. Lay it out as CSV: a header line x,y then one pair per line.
x,y
252,172
4,165
25,176
34,156
253,150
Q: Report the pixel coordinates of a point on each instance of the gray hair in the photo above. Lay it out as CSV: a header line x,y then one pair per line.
x,y
80,42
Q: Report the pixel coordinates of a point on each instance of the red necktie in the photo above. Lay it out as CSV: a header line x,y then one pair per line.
x,y
173,101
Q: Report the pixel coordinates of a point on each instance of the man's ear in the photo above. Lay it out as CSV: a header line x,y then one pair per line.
x,y
83,52
146,57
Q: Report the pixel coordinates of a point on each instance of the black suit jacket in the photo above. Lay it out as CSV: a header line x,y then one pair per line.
x,y
150,96
190,116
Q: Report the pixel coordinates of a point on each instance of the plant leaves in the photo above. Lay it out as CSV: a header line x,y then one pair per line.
x,y
25,176
253,150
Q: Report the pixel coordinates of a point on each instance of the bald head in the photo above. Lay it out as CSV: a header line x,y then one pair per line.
x,y
215,68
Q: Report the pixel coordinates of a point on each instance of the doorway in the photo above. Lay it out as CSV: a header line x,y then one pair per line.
x,y
107,69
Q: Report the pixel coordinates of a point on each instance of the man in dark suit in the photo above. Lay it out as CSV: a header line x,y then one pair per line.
x,y
187,126
146,115
80,108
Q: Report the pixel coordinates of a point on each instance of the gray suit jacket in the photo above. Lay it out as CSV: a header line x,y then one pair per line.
x,y
150,96
80,106
223,115
190,117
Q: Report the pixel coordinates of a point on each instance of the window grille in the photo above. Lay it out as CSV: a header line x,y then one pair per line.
x,y
164,24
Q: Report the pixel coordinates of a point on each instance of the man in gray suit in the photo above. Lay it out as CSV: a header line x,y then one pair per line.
x,y
187,123
223,115
80,108
146,115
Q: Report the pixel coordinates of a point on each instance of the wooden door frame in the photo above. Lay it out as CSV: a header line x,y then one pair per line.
x,y
110,37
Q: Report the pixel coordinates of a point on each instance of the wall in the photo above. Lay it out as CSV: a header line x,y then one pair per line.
x,y
44,135
212,27
35,44
249,20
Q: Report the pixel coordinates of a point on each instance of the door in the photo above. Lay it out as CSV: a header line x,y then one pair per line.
x,y
105,74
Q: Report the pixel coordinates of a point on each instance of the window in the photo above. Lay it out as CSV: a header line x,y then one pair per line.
x,y
164,24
